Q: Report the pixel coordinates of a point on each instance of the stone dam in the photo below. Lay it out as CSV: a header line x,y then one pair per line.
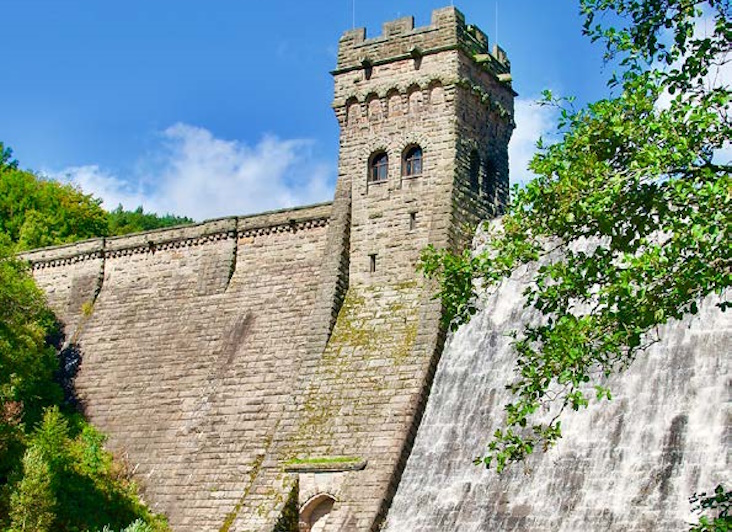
x,y
243,363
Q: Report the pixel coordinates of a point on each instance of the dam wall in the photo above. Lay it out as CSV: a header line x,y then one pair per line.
x,y
191,340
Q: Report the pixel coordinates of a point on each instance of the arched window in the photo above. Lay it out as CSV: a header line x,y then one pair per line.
x,y
412,162
379,167
474,171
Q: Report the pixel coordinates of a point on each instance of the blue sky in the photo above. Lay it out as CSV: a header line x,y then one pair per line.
x,y
215,108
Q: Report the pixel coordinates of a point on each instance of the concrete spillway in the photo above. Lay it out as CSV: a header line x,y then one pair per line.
x,y
629,464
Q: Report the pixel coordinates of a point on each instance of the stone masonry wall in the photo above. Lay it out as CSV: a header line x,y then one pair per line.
x,y
237,359
191,348
362,399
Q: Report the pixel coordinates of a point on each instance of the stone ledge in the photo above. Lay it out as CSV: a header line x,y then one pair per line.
x,y
325,467
284,220
65,253
288,220
183,236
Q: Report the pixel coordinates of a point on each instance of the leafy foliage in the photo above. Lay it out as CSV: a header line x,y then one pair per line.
x,y
27,364
54,472
35,212
6,158
32,504
72,483
138,526
629,217
719,505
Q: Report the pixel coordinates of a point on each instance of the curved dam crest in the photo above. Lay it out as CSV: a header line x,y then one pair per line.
x,y
622,465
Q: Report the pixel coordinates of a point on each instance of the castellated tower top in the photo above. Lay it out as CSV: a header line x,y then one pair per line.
x,y
400,40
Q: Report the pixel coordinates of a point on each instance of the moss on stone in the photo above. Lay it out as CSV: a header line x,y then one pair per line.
x,y
231,516
325,460
290,515
87,308
402,351
376,328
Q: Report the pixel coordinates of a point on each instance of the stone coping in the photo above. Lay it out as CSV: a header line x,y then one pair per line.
x,y
277,221
326,467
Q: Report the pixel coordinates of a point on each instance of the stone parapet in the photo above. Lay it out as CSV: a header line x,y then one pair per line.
x,y
279,221
65,254
401,40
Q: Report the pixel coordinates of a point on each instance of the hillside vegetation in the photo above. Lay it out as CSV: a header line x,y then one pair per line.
x,y
54,472
37,212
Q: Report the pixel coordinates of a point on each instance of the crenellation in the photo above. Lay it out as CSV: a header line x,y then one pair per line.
x,y
401,41
501,55
397,27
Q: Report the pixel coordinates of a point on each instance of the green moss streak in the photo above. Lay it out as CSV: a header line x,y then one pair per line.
x,y
376,327
231,516
325,460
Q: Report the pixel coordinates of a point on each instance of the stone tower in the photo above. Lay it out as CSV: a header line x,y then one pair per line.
x,y
434,91
425,117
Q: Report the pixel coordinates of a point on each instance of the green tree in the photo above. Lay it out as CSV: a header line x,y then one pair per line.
x,y
6,158
123,222
27,363
32,505
629,217
36,212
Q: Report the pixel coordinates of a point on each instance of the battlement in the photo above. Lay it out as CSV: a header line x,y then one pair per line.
x,y
401,40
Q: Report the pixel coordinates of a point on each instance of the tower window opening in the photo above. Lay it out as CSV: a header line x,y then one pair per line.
x,y
474,171
372,263
412,220
379,167
412,163
368,68
489,181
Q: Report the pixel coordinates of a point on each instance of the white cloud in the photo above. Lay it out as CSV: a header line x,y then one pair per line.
x,y
198,175
532,122
93,180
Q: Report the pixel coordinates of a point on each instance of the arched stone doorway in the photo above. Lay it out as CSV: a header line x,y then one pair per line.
x,y
314,513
